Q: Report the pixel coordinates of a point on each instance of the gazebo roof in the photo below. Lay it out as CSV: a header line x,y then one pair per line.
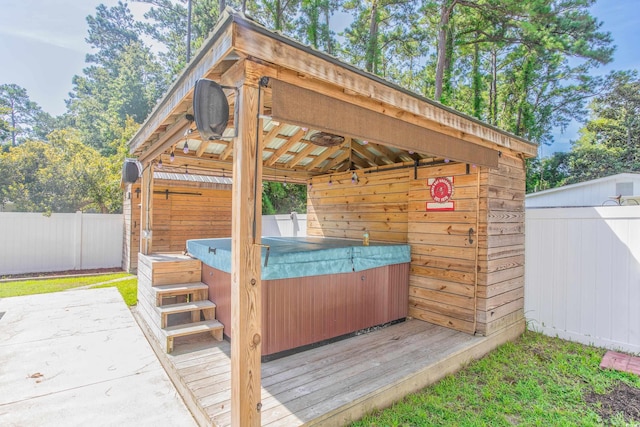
x,y
395,125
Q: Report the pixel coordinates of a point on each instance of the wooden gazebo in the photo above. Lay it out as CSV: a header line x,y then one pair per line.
x,y
375,158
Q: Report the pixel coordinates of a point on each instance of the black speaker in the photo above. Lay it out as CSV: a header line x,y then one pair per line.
x,y
210,109
130,171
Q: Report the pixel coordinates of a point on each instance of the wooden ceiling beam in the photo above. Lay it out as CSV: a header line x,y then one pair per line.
x,y
227,151
271,135
337,160
196,164
323,156
202,147
362,151
390,155
170,137
301,155
285,147
362,163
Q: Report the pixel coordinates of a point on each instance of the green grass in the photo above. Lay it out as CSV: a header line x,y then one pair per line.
x,y
536,380
128,288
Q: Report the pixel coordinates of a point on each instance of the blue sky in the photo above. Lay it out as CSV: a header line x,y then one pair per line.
x,y
42,45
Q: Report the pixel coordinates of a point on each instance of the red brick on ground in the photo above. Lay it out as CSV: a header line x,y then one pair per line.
x,y
621,362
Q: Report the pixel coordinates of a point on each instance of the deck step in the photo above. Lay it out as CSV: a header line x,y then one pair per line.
x,y
198,290
213,326
195,307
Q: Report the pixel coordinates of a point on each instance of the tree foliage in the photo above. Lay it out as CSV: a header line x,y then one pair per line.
x,y
167,25
282,198
63,175
524,66
124,79
608,143
20,118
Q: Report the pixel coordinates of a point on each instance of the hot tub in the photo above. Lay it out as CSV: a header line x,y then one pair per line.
x,y
314,290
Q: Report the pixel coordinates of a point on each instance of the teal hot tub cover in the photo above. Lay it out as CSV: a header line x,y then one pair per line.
x,y
290,257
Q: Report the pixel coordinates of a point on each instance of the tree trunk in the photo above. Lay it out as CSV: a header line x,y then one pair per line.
x,y
447,89
13,124
328,46
477,82
445,15
278,17
223,4
372,46
493,92
526,82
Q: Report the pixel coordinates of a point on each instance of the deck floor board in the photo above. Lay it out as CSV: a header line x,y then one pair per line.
x,y
306,386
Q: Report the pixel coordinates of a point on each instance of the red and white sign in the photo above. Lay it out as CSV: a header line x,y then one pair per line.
x,y
441,190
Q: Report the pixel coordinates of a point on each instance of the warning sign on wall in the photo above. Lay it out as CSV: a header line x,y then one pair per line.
x,y
441,191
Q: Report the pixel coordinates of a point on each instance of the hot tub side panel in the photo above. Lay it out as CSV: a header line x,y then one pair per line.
x,y
219,283
307,310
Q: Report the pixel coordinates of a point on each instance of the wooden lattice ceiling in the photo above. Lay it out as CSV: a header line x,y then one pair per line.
x,y
287,150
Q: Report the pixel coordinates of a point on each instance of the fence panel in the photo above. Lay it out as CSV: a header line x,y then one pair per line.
x,y
34,243
583,274
290,225
102,240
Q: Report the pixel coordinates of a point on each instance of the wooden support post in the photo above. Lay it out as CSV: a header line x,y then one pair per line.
x,y
146,211
245,264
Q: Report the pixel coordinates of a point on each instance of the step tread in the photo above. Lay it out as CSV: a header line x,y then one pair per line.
x,y
192,328
186,306
195,286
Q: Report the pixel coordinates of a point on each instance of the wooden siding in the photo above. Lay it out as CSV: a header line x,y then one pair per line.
x,y
501,246
377,203
306,310
443,259
391,206
181,217
131,239
176,218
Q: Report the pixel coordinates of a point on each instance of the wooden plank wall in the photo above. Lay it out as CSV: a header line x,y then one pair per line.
x,y
178,218
181,217
377,203
391,205
131,240
501,246
443,259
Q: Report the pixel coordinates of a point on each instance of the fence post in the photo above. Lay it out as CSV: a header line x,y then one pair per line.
x,y
77,262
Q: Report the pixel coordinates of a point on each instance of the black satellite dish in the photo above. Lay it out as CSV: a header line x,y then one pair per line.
x,y
210,109
130,171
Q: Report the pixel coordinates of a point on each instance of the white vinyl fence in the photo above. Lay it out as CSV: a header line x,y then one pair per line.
x,y
582,279
34,243
290,225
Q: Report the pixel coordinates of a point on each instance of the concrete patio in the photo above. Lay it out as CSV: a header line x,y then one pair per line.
x,y
79,358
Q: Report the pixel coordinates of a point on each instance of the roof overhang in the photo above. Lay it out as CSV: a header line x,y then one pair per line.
x,y
240,48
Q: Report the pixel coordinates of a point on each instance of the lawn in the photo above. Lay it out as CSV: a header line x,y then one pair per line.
x,y
127,287
536,380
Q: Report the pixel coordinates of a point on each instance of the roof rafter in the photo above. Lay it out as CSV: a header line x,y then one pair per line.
x,y
285,147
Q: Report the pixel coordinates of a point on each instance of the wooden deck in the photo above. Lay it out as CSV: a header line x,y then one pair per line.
x,y
329,385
